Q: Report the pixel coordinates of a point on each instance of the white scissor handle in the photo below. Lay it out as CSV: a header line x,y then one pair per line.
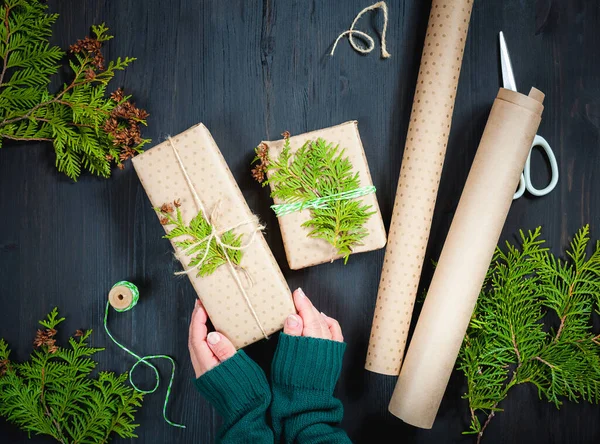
x,y
525,181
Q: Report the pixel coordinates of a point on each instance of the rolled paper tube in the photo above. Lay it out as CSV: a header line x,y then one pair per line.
x,y
466,255
418,183
121,297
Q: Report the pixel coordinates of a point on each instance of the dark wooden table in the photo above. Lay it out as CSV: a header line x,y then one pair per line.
x,y
250,70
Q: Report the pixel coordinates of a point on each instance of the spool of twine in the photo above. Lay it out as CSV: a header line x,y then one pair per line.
x,y
123,296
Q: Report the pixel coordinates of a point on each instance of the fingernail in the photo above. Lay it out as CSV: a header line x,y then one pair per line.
x,y
292,321
301,292
324,314
213,337
197,303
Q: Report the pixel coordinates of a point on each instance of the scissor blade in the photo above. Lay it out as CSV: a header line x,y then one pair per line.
x,y
508,77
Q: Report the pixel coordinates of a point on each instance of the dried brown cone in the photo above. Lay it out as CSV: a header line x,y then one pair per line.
x,y
258,173
262,154
167,208
4,366
117,95
286,135
91,48
164,221
123,126
78,333
177,203
46,338
90,74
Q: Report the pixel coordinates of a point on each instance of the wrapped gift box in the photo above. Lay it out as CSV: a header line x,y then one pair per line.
x,y
269,299
304,251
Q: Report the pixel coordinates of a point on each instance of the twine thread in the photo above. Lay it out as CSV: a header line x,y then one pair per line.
x,y
367,38
321,202
142,359
216,235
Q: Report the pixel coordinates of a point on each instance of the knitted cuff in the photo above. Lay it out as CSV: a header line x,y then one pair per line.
x,y
234,385
307,362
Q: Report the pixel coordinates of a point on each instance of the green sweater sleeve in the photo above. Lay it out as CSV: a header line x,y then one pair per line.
x,y
239,391
304,374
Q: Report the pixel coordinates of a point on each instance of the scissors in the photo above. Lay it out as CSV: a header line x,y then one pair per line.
x,y
508,82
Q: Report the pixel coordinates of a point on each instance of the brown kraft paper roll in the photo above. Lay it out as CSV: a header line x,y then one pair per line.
x,y
418,183
466,255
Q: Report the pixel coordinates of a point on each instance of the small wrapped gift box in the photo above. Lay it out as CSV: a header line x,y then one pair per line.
x,y
188,182
302,248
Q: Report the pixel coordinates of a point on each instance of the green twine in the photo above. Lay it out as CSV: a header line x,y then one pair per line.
x,y
143,359
320,202
134,292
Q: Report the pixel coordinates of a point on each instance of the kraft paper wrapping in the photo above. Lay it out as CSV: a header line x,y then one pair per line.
x,y
303,251
418,184
163,181
466,255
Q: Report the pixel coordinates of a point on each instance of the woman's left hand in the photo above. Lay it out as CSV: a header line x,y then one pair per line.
x,y
207,350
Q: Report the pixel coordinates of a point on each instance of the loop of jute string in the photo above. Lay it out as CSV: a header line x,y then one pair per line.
x,y
366,37
215,234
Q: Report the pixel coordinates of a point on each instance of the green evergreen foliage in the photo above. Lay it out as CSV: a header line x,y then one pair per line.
x,y
53,393
319,169
508,343
198,238
75,118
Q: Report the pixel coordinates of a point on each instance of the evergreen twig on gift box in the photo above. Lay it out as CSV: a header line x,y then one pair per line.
x,y
207,258
88,129
53,394
315,171
508,342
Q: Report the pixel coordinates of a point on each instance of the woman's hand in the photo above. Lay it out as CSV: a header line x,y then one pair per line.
x,y
309,322
206,350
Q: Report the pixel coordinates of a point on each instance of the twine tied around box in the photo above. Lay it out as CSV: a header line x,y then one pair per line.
x,y
215,234
322,201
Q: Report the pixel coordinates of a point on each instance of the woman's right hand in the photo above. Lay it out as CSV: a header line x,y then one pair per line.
x,y
309,322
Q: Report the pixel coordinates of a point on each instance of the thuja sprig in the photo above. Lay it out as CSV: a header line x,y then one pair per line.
x,y
53,393
87,129
507,343
196,240
317,169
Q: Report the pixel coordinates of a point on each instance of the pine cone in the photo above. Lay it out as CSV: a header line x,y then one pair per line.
x,y
166,208
4,366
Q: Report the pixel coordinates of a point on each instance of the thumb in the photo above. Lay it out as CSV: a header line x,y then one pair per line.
x,y
220,346
293,325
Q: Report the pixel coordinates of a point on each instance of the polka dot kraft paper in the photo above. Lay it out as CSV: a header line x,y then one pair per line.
x,y
419,181
268,292
303,251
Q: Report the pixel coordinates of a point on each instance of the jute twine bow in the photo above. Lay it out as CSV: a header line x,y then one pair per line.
x,y
367,38
216,234
321,202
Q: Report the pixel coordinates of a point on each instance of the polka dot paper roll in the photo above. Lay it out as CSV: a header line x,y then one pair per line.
x,y
163,180
303,251
466,255
419,181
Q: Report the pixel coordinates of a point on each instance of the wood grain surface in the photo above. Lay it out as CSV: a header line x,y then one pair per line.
x,y
250,70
